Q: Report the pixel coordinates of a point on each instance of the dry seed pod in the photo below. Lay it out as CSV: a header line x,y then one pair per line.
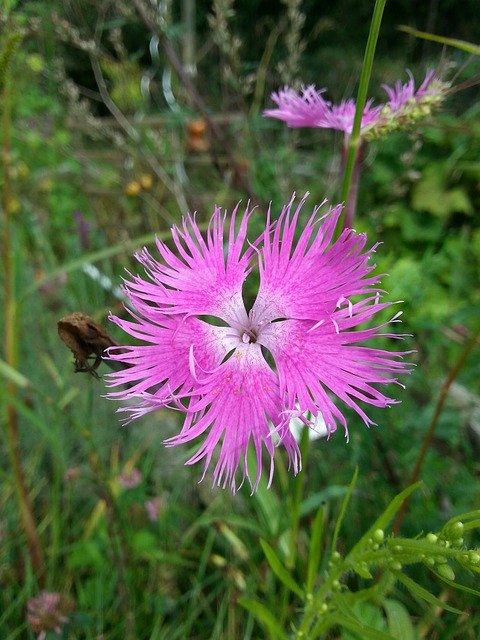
x,y
86,339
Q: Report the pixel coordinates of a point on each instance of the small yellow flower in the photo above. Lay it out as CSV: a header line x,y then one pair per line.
x,y
132,188
14,205
146,181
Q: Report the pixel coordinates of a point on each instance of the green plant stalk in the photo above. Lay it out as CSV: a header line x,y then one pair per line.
x,y
427,440
352,197
10,342
299,484
295,503
354,141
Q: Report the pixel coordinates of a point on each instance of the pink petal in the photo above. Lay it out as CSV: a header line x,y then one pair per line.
x,y
234,405
304,110
161,372
312,363
202,279
306,280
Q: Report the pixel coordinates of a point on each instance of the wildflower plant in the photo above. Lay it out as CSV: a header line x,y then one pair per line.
x,y
297,351
405,107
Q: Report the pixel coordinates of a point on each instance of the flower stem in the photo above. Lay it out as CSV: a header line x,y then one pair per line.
x,y
10,342
354,141
352,196
427,440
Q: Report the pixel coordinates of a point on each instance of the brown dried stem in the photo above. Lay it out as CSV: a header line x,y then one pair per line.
x,y
10,342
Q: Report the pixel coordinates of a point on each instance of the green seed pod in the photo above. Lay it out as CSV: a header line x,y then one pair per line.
x,y
378,535
456,530
431,537
446,571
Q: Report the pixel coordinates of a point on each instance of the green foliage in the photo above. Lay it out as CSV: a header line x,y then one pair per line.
x,y
199,563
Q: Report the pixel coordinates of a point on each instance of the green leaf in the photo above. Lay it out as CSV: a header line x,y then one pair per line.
x,y
362,571
315,550
362,631
260,612
279,569
422,593
382,521
463,45
343,508
365,614
96,256
456,585
472,524
11,374
266,503
399,622
316,500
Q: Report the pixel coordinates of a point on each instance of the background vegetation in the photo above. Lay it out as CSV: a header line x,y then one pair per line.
x,y
105,145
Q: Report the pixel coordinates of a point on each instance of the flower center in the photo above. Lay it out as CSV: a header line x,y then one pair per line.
x,y
249,336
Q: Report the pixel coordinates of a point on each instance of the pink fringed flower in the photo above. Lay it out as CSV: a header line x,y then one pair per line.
x,y
404,106
242,379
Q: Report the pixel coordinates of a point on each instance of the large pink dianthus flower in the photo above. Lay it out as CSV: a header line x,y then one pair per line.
x,y
404,106
296,349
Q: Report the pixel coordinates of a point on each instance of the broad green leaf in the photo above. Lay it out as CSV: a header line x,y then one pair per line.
x,y
315,551
279,569
399,622
463,45
260,612
422,593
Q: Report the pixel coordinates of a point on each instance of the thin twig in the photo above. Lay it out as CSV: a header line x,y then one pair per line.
x,y
197,100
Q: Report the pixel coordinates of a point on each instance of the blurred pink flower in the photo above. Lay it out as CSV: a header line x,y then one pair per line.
x,y
72,473
153,507
130,479
46,612
405,105
298,345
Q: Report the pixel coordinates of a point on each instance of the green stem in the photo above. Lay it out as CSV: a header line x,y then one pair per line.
x,y
354,140
427,440
10,342
299,483
352,196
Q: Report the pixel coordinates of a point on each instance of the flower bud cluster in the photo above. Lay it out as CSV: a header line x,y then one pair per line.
x,y
416,108
450,536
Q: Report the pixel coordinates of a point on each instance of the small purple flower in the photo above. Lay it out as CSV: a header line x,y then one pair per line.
x,y
404,106
130,479
46,612
242,379
153,508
